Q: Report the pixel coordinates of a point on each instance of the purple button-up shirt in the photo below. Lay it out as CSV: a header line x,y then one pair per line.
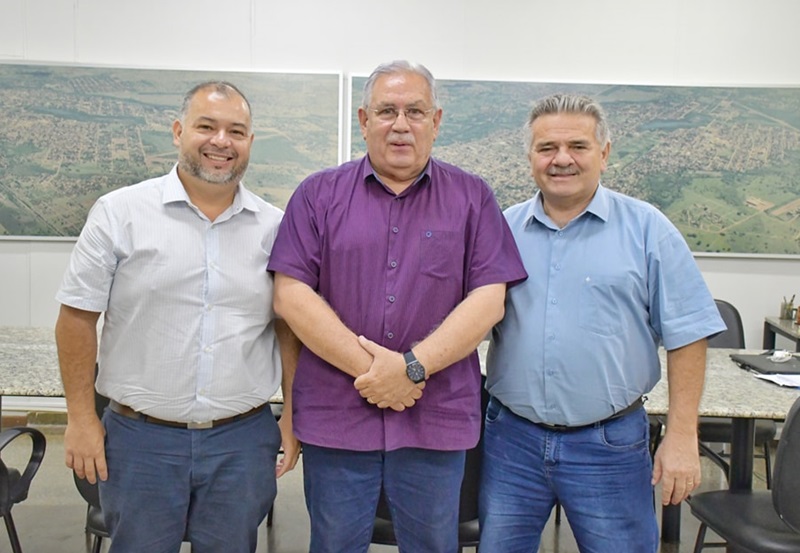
x,y
392,267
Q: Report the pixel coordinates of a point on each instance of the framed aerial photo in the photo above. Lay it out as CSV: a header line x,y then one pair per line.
x,y
69,134
723,163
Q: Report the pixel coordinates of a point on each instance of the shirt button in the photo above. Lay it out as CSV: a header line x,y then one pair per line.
x,y
560,233
393,264
207,349
209,307
428,234
554,301
558,267
390,335
391,299
395,230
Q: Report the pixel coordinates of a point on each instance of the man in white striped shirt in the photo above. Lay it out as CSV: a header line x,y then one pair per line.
x,y
189,353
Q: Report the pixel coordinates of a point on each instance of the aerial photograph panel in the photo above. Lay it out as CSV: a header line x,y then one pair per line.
x,y
69,134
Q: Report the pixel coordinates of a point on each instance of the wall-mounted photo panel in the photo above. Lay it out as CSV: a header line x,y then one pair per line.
x,y
723,163
69,134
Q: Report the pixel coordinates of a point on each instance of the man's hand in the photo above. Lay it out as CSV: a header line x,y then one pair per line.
x,y
386,383
677,466
289,444
84,448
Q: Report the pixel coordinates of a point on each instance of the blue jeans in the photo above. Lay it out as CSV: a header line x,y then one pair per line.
x,y
422,490
600,475
210,487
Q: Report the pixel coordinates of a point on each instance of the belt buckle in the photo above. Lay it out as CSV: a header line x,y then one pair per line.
x,y
200,425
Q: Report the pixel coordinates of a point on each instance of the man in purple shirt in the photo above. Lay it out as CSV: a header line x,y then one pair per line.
x,y
390,269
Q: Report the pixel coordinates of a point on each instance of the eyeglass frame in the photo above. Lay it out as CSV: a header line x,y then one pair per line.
x,y
397,111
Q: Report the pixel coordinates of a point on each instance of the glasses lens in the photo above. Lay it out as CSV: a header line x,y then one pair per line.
x,y
415,114
390,114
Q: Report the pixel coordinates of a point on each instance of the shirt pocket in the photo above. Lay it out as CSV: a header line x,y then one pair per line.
x,y
441,254
600,310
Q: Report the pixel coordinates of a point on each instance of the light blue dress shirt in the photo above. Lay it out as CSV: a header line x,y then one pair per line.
x,y
580,337
188,323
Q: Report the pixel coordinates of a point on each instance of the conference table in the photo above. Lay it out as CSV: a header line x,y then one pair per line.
x,y
28,363
29,367
729,391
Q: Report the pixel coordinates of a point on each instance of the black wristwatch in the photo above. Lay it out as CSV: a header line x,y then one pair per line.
x,y
414,369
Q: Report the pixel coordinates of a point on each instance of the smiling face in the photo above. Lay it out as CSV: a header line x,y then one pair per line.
x,y
399,150
214,137
567,159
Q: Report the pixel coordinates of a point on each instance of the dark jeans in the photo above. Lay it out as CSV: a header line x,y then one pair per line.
x,y
214,486
422,489
601,475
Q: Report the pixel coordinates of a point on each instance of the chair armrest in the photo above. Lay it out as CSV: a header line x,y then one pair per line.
x,y
19,489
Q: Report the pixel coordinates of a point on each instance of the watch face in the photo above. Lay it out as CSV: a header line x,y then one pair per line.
x,y
415,371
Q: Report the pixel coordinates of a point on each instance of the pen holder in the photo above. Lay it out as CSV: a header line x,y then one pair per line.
x,y
787,310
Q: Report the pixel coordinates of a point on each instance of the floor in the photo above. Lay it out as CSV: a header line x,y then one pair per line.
x,y
51,519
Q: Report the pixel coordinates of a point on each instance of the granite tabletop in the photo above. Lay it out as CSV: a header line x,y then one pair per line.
x,y
729,391
29,362
29,367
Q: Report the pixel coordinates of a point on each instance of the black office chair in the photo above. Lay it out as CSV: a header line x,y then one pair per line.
x,y
761,520
95,523
719,429
14,485
468,527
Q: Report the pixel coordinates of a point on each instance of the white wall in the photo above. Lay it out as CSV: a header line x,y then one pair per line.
x,y
680,42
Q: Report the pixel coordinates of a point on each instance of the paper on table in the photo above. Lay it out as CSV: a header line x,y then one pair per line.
x,y
792,380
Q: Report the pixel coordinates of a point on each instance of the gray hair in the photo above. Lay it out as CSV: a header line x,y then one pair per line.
x,y
569,103
221,87
394,67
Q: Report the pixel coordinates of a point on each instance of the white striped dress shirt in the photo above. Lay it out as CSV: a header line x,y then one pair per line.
x,y
188,331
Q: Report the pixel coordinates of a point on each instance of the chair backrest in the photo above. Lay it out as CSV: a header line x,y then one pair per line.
x,y
734,336
786,475
15,484
468,502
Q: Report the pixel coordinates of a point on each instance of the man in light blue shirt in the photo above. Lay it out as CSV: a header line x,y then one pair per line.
x,y
610,279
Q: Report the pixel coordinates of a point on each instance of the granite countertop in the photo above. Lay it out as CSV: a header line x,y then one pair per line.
x,y
729,390
29,367
29,362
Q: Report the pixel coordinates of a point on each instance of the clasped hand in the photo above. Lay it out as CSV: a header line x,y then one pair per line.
x,y
385,384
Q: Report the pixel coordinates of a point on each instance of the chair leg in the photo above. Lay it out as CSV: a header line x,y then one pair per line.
x,y
558,513
768,465
12,534
701,537
269,515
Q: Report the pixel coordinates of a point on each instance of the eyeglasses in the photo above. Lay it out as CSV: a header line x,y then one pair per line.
x,y
390,114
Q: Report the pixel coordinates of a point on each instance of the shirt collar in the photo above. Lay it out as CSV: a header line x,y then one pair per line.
x,y
175,192
599,207
368,170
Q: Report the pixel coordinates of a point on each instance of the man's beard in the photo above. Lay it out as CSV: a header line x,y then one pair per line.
x,y
193,167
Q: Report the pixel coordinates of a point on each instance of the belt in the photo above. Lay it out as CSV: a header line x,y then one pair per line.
x,y
126,411
564,428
